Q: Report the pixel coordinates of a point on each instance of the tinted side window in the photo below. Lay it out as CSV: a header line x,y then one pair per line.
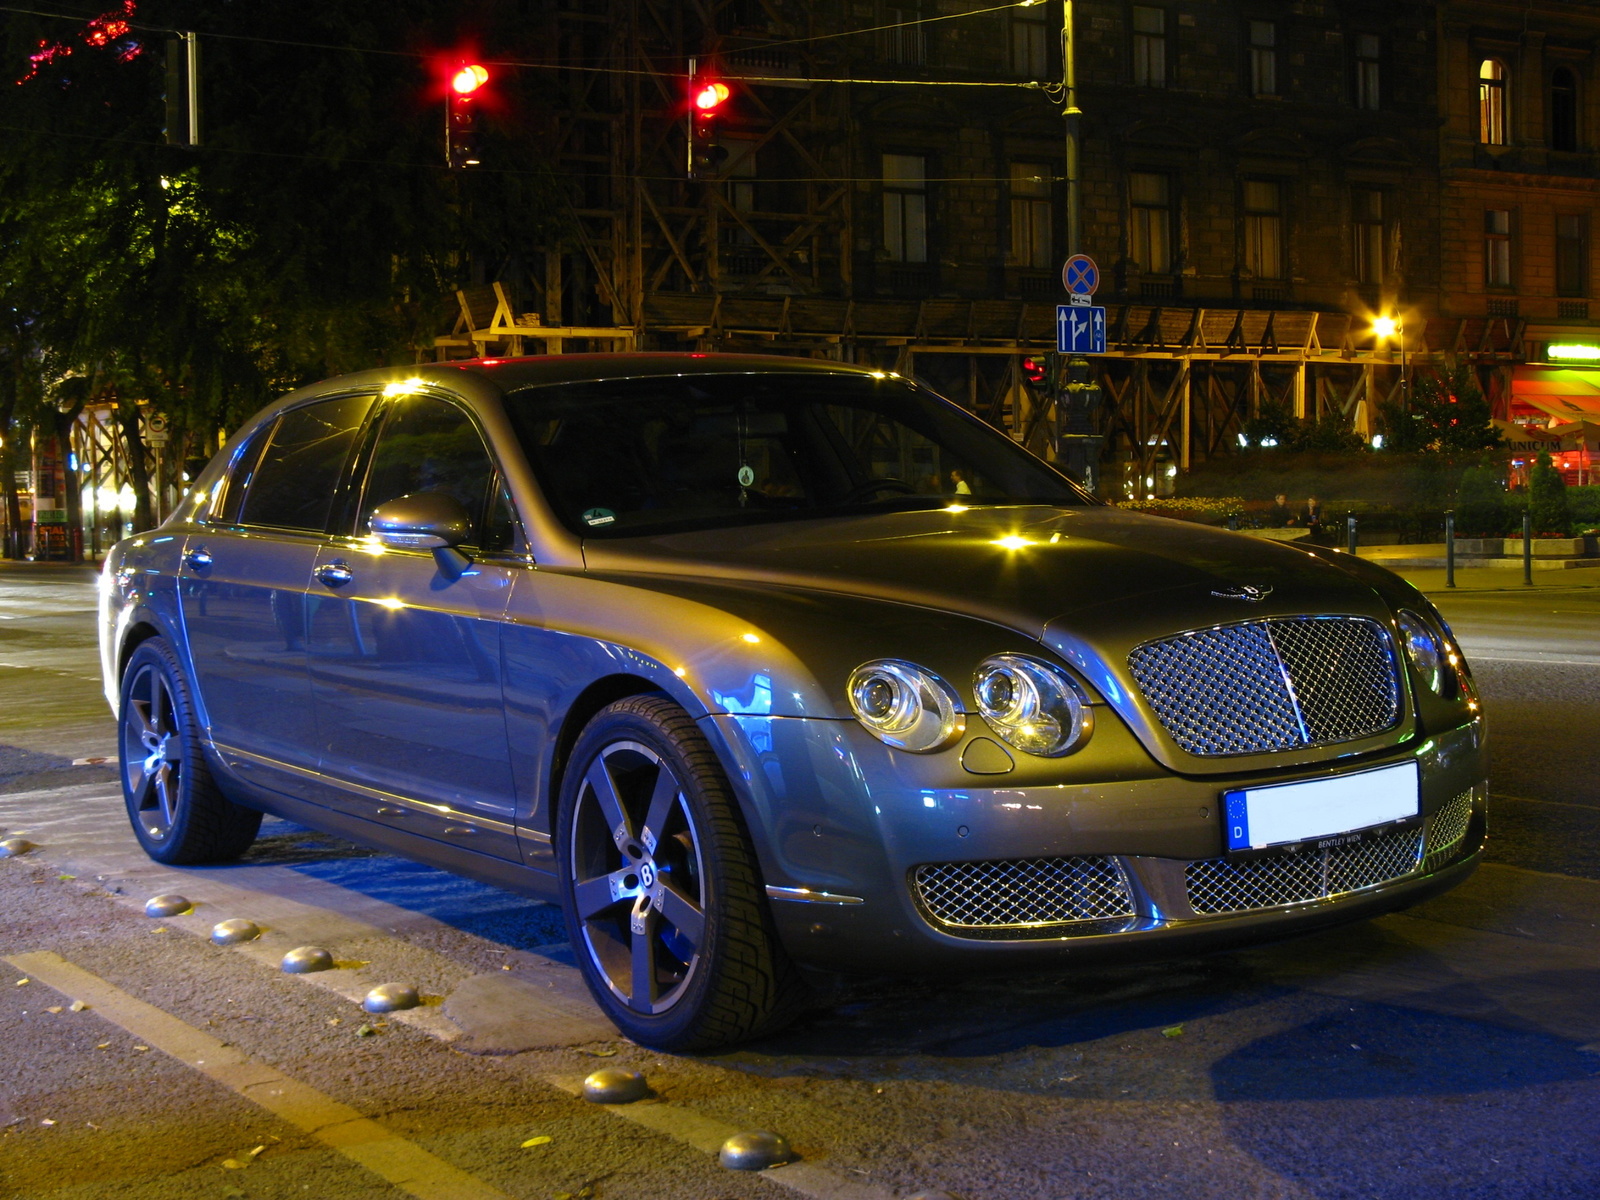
x,y
238,480
429,445
294,484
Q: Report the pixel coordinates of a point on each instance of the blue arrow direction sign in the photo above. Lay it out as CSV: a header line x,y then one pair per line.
x,y
1080,329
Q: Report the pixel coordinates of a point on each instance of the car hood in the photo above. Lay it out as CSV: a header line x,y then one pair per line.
x,y
1025,567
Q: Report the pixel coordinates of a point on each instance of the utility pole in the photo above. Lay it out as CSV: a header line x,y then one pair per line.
x,y
1073,116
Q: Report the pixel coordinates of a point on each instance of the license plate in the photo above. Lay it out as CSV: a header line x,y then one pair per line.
x,y
1332,811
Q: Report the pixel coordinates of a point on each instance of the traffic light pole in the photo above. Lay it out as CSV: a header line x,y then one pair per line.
x,y
1073,116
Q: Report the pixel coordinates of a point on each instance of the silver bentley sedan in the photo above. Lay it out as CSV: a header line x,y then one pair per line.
x,y
761,667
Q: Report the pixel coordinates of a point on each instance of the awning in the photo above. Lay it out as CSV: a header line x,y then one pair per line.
x,y
1571,393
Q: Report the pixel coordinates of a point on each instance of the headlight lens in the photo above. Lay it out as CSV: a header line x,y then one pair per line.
x,y
1422,648
1032,705
906,706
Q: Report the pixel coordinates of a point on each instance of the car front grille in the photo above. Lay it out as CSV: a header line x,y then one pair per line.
x,y
1447,829
1219,886
1022,894
1277,684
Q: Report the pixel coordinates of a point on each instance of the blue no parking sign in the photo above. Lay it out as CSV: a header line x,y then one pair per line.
x,y
1080,329
1080,276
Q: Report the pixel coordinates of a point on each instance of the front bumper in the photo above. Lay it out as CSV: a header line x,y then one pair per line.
x,y
851,837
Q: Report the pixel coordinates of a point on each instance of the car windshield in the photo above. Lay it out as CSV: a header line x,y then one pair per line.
x,y
625,458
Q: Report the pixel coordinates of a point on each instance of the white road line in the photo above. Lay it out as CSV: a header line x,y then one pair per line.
x,y
386,1154
1547,662
707,1134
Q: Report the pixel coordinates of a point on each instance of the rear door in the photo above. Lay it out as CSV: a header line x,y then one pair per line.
x,y
243,585
405,658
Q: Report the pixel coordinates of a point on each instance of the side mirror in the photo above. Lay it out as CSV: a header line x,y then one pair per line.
x,y
425,521
420,521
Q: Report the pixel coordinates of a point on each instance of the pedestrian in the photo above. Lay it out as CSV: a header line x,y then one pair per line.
x,y
958,482
1280,514
1311,516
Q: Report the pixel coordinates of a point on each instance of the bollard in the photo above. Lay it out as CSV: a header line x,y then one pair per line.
x,y
1450,549
1350,533
1527,548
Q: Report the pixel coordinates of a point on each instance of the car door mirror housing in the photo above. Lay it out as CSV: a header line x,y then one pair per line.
x,y
420,521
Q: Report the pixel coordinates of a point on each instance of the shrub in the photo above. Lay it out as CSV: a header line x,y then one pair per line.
x,y
1481,507
1584,504
1547,500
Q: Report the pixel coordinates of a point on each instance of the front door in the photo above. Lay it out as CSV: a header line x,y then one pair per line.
x,y
405,656
243,584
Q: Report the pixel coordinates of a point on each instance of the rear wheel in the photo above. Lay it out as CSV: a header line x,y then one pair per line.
x,y
663,898
179,814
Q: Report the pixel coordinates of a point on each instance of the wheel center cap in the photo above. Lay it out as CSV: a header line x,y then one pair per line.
x,y
647,874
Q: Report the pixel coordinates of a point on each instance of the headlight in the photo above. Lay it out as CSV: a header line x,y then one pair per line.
x,y
1422,648
906,706
1032,705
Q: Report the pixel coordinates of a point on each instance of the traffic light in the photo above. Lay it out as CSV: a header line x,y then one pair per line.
x,y
706,98
1035,372
461,116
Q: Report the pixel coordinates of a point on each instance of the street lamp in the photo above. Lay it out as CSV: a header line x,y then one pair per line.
x,y
1387,328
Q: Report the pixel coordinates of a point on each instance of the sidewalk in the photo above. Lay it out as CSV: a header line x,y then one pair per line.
x,y
1431,554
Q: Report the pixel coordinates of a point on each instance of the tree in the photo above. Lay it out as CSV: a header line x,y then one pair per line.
x,y
1446,415
314,232
1276,427
1548,511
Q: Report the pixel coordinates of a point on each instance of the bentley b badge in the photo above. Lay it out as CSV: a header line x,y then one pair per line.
x,y
1244,592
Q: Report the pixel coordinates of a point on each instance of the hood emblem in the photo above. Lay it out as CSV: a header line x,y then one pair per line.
x,y
1244,592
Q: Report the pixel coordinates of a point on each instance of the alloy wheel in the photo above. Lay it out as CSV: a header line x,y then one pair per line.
x,y
152,752
638,881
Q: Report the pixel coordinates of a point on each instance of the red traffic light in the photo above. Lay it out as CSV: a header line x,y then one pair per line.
x,y
469,79
709,95
1034,370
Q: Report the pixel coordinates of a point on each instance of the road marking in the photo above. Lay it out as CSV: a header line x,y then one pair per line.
x,y
707,1134
1548,662
406,1165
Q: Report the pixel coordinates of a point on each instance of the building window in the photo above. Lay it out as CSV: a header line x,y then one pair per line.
x,y
1263,58
1263,228
1497,247
905,207
1492,102
900,38
1149,46
1367,93
1563,110
1572,255
1150,241
1031,240
1030,47
1366,211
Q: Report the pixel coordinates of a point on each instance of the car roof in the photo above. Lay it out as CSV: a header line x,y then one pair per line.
x,y
510,374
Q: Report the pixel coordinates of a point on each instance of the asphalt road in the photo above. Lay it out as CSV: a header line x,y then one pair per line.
x,y
1450,1050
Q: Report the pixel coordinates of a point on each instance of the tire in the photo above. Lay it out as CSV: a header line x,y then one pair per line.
x,y
670,926
178,813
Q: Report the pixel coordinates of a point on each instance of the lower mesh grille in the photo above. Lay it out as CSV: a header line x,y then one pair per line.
x,y
1218,886
1025,893
1447,829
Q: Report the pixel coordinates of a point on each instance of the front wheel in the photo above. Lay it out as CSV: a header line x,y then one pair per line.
x,y
179,815
662,895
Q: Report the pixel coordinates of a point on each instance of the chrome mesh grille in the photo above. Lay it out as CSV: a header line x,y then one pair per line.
x,y
1216,885
1023,893
1277,684
1446,829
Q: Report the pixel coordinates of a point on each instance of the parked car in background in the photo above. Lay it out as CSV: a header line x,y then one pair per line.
x,y
711,651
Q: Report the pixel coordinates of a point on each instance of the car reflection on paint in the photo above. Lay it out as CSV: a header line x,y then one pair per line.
x,y
765,667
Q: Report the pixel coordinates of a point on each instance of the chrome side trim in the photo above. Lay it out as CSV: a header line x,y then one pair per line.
x,y
809,896
243,758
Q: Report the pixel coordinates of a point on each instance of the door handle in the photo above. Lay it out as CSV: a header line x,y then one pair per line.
x,y
197,559
335,574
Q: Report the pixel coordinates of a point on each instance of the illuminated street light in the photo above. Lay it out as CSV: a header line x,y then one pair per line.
x,y
1384,327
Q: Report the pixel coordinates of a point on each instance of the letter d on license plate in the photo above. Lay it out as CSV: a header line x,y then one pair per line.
x,y
1260,818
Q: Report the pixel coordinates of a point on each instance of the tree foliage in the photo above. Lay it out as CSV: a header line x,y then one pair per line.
x,y
1548,510
1275,427
315,231
1445,414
